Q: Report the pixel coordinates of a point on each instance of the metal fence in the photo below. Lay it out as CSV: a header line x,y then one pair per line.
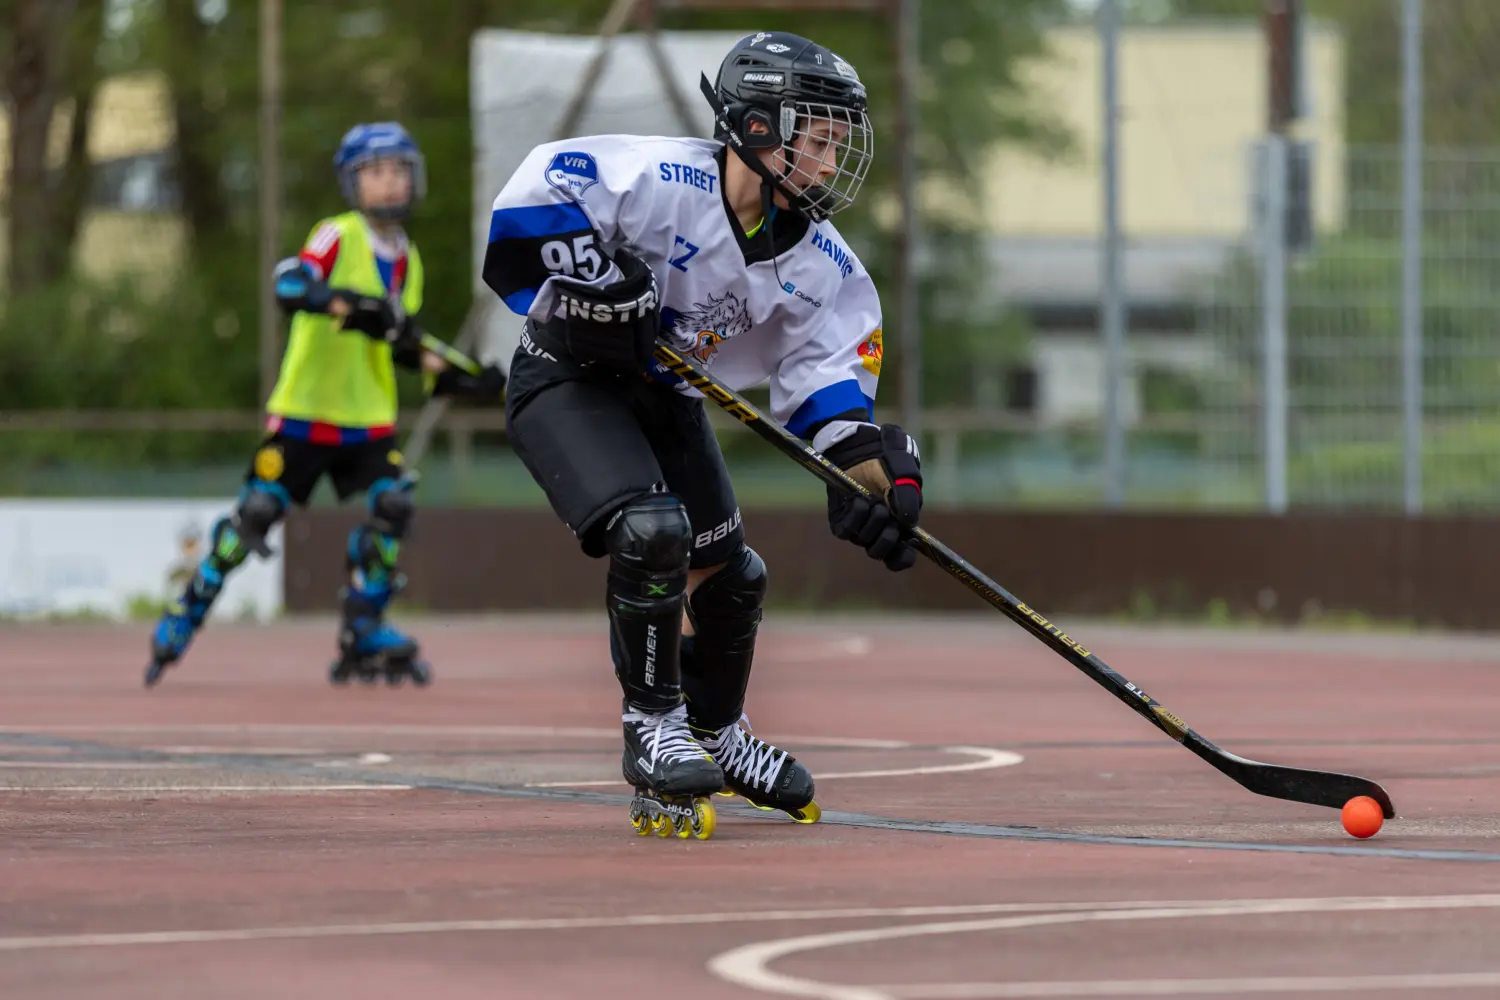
x,y
1349,417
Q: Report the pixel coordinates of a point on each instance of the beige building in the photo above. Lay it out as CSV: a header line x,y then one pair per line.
x,y
1193,104
130,133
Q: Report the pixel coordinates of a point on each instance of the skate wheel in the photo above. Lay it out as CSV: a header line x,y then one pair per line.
x,y
639,820
154,672
661,825
421,673
809,813
703,822
337,675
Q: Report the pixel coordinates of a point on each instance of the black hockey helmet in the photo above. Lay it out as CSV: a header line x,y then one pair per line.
x,y
794,87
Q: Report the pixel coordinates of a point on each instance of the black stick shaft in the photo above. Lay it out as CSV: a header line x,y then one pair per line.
x,y
1315,787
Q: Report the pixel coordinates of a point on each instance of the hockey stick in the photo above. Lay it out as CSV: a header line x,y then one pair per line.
x,y
433,410
450,354
1319,788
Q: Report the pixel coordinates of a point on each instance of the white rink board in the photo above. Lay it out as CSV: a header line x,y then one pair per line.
x,y
72,556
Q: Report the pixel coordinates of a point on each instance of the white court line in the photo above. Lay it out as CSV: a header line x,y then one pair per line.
x,y
410,729
749,966
154,789
308,931
103,765
989,758
258,751
1078,911
1198,987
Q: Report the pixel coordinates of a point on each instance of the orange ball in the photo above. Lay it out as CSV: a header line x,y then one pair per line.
x,y
1363,817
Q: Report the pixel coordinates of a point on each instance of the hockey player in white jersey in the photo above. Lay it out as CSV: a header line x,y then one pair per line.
x,y
724,248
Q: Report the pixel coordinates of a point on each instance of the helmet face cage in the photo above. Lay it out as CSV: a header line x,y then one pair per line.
x,y
850,150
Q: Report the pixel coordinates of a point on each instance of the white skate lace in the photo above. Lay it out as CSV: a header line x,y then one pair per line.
x,y
749,759
665,735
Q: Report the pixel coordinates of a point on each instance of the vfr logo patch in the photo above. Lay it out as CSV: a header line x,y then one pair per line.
x,y
573,173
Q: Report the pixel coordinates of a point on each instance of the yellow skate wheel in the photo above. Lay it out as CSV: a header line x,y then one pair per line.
x,y
704,820
661,825
642,825
809,813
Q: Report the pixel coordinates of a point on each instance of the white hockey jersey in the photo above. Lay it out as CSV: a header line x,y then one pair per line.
x,y
808,321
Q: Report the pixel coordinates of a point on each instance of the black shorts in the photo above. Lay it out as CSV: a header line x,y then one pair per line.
x,y
593,442
297,465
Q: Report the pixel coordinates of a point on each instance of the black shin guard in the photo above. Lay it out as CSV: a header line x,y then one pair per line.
x,y
649,542
716,661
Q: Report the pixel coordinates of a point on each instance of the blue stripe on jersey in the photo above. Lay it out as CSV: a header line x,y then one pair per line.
x,y
387,269
536,220
827,403
520,302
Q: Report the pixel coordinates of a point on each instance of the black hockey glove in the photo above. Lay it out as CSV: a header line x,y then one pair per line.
x,y
612,327
486,387
885,461
377,319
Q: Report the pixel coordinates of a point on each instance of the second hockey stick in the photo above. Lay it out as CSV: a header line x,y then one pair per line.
x,y
458,359
1320,788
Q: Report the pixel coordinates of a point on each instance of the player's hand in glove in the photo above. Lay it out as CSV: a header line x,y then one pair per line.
x,y
486,387
885,461
299,290
374,317
612,327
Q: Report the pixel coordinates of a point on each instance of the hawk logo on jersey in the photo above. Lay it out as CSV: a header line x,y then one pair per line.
x,y
703,327
872,352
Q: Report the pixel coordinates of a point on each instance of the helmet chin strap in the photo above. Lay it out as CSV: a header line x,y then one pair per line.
x,y
769,181
389,213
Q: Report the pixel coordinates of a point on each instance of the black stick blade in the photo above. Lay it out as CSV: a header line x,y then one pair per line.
x,y
1295,784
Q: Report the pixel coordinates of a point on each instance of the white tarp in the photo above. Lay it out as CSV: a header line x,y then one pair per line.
x,y
521,84
103,556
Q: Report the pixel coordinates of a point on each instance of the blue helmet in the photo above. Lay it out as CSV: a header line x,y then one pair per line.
x,y
379,140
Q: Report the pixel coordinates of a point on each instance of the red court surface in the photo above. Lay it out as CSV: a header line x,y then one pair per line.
x,y
995,824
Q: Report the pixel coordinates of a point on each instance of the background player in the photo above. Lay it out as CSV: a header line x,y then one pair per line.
x,y
724,248
352,294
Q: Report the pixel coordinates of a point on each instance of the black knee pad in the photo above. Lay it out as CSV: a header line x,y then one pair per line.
x,y
725,610
392,505
651,534
649,541
734,593
261,506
